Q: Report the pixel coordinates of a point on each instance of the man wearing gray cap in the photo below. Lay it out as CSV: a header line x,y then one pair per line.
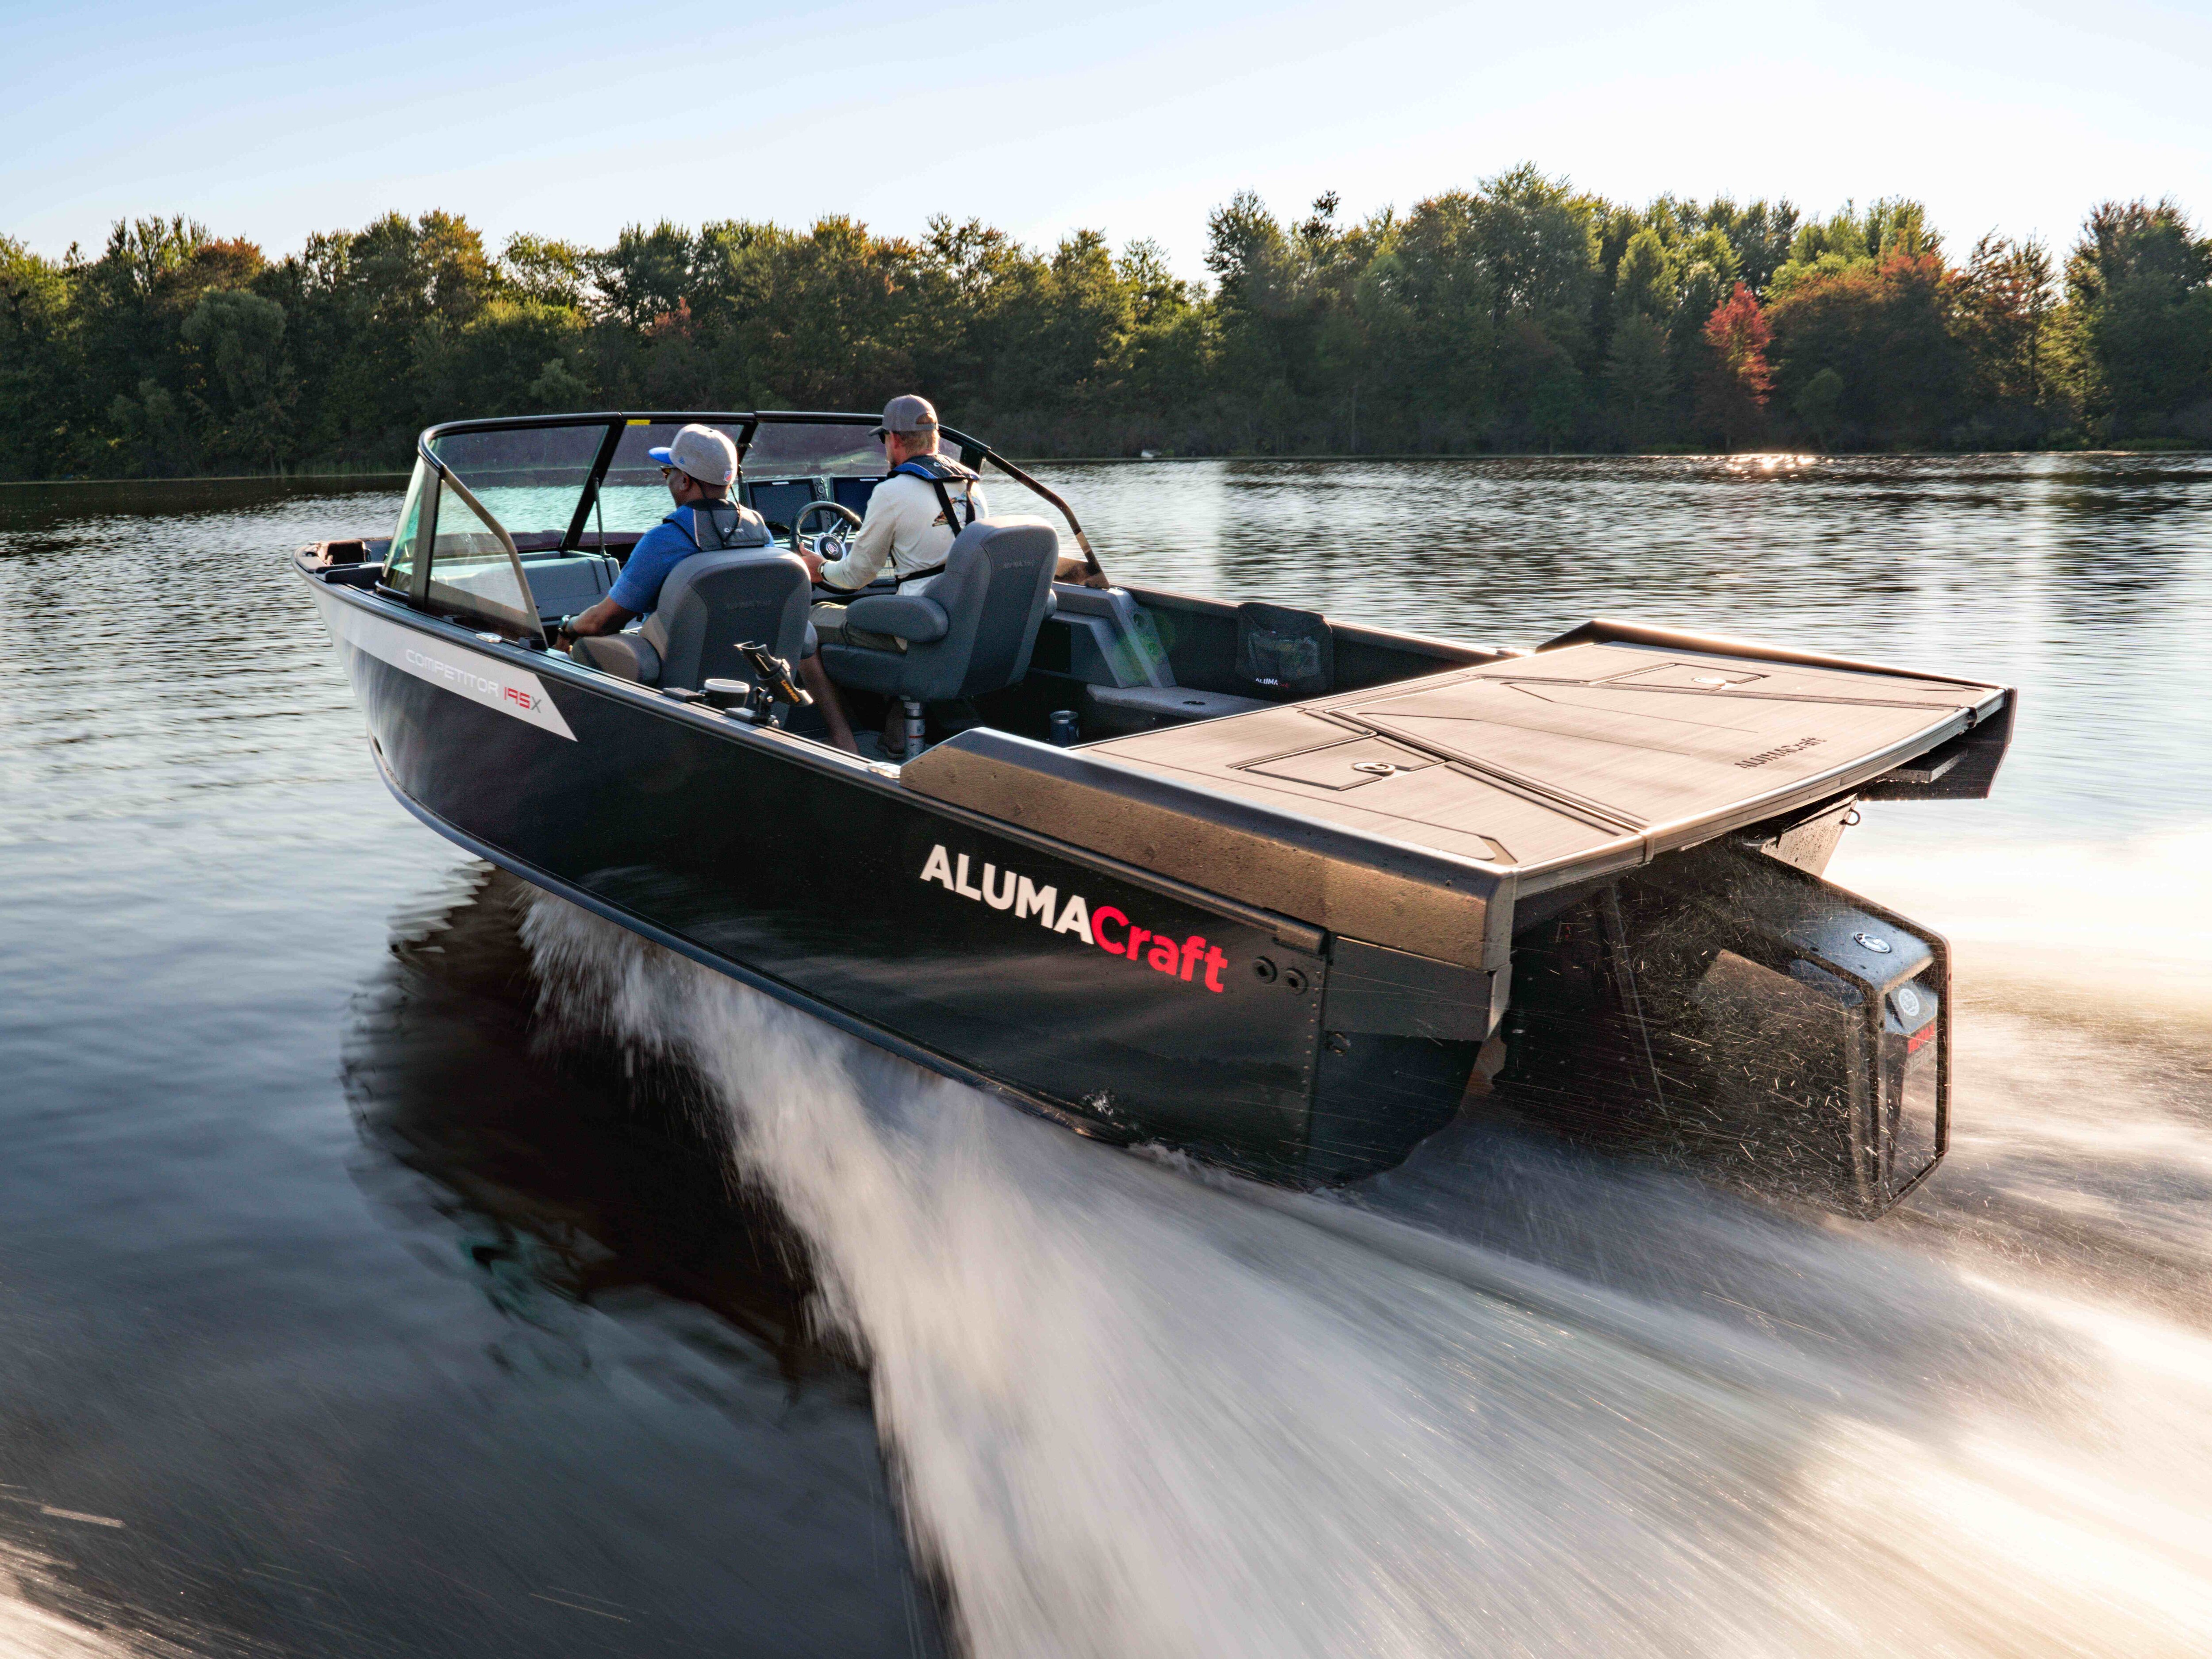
x,y
913,514
923,502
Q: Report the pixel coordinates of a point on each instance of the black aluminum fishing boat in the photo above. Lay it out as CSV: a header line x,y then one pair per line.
x,y
1284,890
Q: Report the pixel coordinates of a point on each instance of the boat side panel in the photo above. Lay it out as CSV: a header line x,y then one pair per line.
x,y
911,920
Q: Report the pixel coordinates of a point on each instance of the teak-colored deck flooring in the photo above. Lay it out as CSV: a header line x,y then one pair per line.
x,y
1536,759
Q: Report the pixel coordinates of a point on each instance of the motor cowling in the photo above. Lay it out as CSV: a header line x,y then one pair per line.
x,y
1726,1007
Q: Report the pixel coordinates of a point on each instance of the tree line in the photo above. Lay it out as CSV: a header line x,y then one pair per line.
x,y
1517,315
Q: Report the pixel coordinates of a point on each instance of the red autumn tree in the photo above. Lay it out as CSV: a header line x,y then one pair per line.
x,y
1735,381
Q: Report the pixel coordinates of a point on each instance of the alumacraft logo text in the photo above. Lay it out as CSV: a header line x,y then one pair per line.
x,y
467,681
1094,925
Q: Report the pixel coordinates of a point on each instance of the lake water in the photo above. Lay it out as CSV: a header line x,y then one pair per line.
x,y
394,1262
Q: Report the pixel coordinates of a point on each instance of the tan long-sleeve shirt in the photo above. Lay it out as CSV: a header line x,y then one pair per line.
x,y
905,528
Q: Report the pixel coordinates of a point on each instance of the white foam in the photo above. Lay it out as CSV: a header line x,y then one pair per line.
x,y
2118,921
29,1631
1501,1402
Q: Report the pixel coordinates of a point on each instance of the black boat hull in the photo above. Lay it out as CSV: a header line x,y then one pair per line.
x,y
946,936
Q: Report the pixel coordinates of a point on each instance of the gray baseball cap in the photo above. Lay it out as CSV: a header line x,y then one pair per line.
x,y
706,454
909,414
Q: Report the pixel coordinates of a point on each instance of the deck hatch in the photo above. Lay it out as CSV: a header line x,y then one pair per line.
x,y
1690,676
1351,765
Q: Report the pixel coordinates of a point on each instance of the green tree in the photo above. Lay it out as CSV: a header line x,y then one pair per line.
x,y
239,338
1648,283
839,333
37,401
2007,325
1155,291
2137,287
394,290
547,272
513,358
1760,233
646,274
1164,370
1264,319
1889,330
1640,377
1428,300
1894,225
1819,405
1541,249
124,318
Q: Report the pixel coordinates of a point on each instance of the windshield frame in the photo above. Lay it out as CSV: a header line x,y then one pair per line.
x,y
973,452
534,627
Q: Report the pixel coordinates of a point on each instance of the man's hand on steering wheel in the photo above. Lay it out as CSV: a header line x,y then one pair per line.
x,y
827,546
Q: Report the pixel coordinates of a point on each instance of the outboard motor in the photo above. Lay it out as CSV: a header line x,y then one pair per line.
x,y
1727,1007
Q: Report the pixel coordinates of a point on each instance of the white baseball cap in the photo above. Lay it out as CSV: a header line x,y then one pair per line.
x,y
706,454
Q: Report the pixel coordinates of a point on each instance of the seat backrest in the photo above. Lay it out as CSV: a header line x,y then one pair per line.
x,y
712,601
995,590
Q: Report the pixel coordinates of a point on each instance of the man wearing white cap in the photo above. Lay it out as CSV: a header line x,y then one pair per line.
x,y
699,465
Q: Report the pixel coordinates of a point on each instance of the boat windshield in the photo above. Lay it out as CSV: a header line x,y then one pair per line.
x,y
399,560
633,496
535,478
530,478
794,464
814,449
474,573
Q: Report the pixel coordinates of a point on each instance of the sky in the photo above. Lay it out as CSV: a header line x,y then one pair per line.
x,y
571,120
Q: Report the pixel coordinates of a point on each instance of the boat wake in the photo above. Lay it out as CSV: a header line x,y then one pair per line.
x,y
1508,1398
43,1616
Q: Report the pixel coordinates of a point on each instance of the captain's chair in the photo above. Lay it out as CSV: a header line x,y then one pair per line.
x,y
709,604
969,634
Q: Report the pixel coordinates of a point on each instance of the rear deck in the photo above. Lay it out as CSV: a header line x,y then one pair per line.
x,y
1547,762
1390,806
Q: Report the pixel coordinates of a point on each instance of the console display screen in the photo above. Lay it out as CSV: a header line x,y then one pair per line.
x,y
779,501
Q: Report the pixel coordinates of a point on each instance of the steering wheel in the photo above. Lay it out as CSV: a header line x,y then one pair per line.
x,y
830,544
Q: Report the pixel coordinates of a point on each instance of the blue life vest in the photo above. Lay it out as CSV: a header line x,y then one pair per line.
x,y
936,471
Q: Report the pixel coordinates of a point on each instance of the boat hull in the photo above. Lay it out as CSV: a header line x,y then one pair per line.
x,y
1129,1006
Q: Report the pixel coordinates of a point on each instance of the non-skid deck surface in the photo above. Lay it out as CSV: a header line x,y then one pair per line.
x,y
1540,759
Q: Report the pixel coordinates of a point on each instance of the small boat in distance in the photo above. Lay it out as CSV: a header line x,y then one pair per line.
x,y
1275,888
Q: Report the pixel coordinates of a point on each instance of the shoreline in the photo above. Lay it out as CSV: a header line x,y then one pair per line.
x,y
381,476
378,477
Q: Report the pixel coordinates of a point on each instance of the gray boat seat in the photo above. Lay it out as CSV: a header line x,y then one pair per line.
x,y
711,603
566,583
627,656
971,632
